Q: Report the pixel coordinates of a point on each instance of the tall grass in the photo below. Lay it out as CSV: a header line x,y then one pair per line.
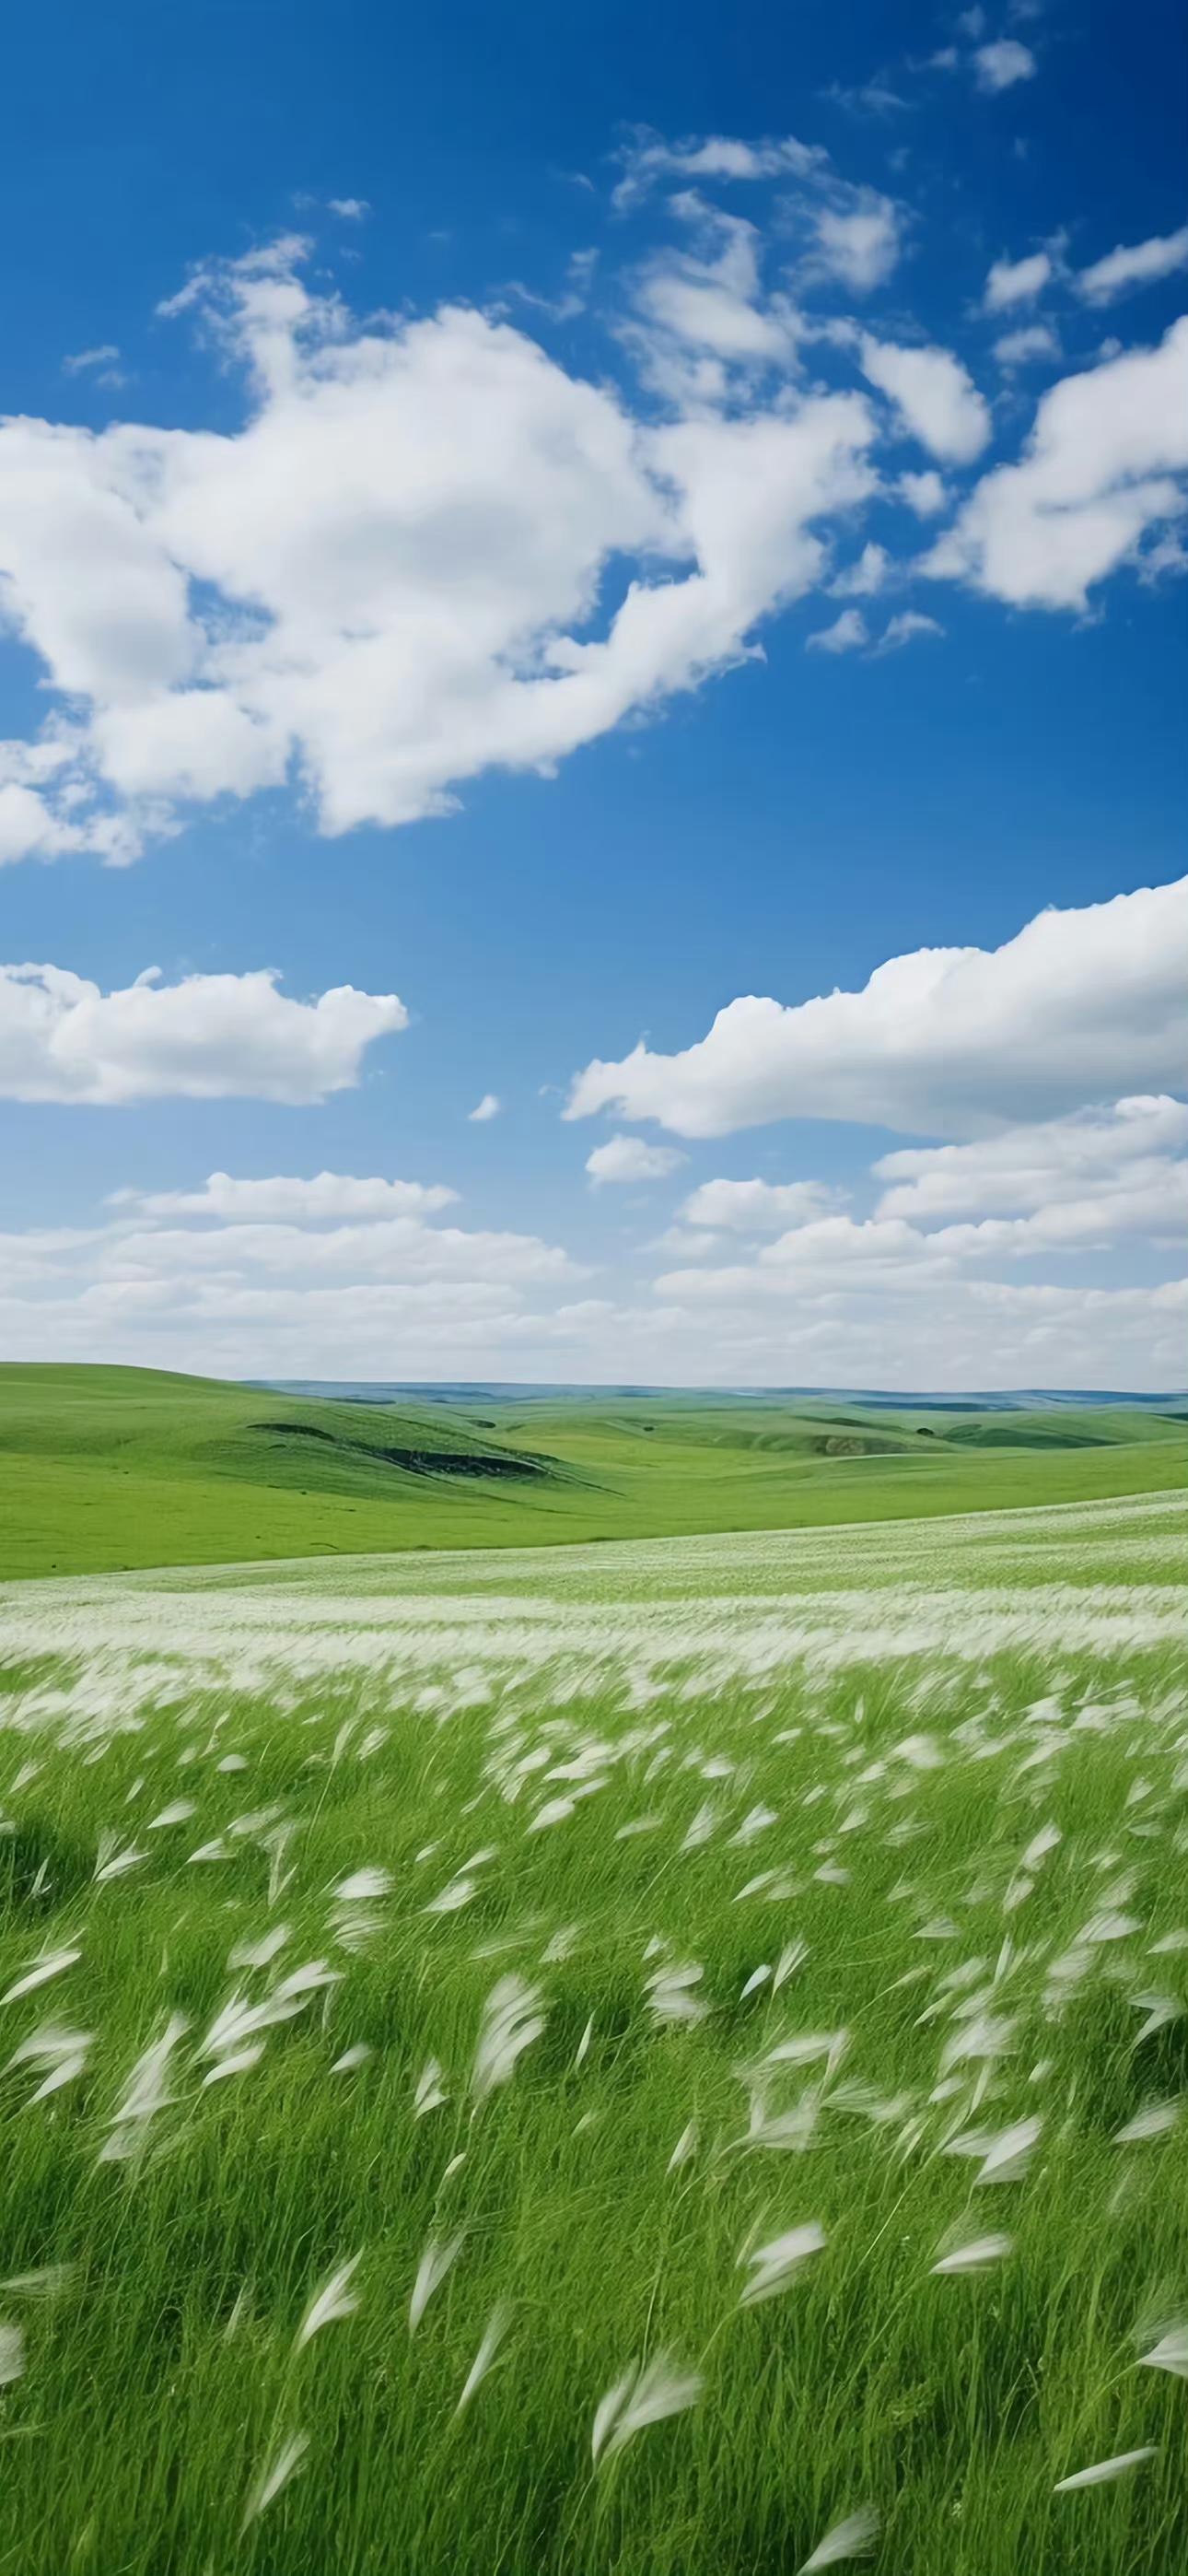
x,y
668,2062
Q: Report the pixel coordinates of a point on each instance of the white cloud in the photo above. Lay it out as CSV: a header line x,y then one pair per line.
x,y
924,494
488,1107
946,1041
211,1037
82,361
381,585
1000,65
857,242
862,579
934,395
1096,473
351,209
756,1207
1096,1176
648,158
627,1158
904,629
1141,265
1017,281
1034,340
847,633
329,1195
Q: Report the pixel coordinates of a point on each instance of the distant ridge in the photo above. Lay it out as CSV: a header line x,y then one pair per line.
x,y
514,1391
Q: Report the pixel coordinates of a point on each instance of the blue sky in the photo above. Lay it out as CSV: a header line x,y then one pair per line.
x,y
572,526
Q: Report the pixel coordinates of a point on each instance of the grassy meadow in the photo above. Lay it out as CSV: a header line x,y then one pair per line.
x,y
110,1468
663,2059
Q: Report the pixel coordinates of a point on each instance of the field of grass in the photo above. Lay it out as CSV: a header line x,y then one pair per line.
x,y
649,2060
106,1468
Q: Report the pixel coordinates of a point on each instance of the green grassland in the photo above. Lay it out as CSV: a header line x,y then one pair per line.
x,y
106,1468
436,1990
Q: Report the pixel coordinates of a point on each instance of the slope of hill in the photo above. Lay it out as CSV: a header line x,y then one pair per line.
x,y
108,1468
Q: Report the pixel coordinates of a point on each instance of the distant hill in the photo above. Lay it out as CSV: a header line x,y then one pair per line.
x,y
110,1468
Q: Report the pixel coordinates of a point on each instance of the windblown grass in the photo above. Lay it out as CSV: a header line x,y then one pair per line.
x,y
665,2059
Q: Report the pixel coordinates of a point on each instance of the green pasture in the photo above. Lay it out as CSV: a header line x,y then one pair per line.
x,y
495,2049
105,1468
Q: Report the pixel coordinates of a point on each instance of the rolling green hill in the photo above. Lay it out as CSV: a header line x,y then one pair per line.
x,y
109,1468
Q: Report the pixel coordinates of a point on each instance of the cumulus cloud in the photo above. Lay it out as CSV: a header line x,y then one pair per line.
x,y
1141,265
385,581
924,494
1017,281
906,628
647,158
627,1158
945,1041
328,1196
756,1207
1099,469
210,1037
1096,1176
934,395
847,633
488,1107
1033,341
857,242
1003,64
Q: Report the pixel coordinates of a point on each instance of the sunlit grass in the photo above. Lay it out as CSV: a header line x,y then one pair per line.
x,y
668,2060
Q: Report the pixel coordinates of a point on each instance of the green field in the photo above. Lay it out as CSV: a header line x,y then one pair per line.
x,y
650,2060
105,1468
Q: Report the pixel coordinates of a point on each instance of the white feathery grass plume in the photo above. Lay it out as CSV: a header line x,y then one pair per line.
x,y
1171,2353
775,2266
363,1885
1040,1845
493,2334
583,2046
977,2255
112,1861
238,2064
217,1850
669,1999
1103,2470
513,2016
51,1964
335,2299
276,1844
62,2052
260,1954
853,2538
430,2093
275,2474
554,1812
686,2146
1153,2122
47,2282
1160,2011
434,2264
452,1898
757,1978
145,2094
178,1813
352,2057
646,2394
12,2354
1004,2157
790,1959
232,1762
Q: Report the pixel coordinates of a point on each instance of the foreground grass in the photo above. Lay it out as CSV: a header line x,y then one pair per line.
x,y
595,1920
109,1468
